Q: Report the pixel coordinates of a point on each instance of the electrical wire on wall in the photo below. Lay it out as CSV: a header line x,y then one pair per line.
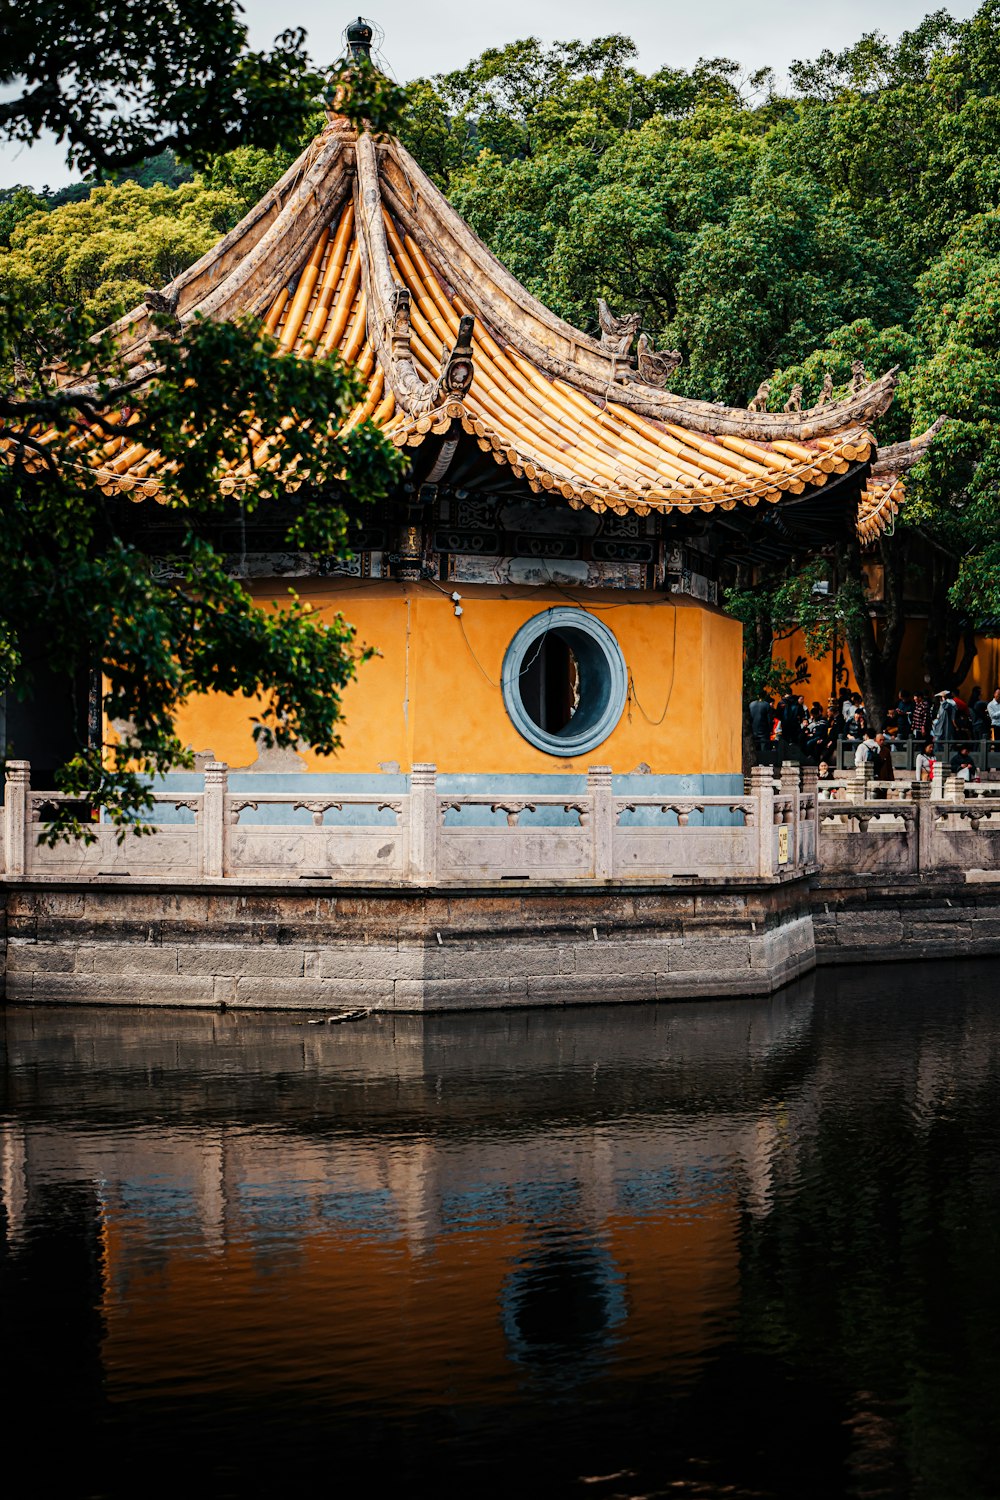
x,y
475,658
455,599
633,696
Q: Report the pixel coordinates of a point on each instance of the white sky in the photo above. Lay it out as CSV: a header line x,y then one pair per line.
x,y
435,36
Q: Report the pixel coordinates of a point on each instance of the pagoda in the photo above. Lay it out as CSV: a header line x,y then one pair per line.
x,y
543,589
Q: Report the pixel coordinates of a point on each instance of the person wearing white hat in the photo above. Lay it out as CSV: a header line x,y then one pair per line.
x,y
943,726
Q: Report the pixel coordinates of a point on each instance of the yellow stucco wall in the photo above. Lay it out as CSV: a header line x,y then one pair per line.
x,y
985,670
433,694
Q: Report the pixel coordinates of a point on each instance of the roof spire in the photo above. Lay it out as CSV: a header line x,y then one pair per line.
x,y
359,40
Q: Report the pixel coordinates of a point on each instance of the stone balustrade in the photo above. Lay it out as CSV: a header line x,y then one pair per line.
x,y
905,827
423,836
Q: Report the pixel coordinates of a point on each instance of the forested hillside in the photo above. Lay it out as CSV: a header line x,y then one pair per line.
x,y
764,231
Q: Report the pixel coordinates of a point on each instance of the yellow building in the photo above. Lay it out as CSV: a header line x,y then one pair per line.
x,y
543,591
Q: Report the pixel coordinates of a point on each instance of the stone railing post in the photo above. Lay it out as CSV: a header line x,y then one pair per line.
x,y
810,789
762,791
423,823
602,819
790,784
15,816
937,781
213,820
922,856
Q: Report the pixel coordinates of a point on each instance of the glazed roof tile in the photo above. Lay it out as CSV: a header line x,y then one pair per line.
x,y
356,251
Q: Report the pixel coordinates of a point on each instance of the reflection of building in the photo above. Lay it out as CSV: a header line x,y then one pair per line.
x,y
407,1177
541,1244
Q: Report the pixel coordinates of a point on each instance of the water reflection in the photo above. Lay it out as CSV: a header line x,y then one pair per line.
x,y
713,1249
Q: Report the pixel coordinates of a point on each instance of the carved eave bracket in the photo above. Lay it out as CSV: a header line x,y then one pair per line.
x,y
388,306
457,368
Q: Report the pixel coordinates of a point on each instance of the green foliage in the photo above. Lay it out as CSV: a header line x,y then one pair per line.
x,y
787,267
119,82
524,100
762,235
126,87
955,489
72,562
774,609
16,205
103,252
767,236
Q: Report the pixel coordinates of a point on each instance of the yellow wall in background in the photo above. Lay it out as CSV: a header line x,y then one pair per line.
x,y
433,694
985,670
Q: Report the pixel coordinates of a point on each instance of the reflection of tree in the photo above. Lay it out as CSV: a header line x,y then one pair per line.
x,y
51,1331
875,1272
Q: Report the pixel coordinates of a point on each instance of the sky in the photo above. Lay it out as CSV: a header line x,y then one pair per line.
x,y
436,36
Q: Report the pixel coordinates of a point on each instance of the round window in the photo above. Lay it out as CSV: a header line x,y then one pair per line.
x,y
564,681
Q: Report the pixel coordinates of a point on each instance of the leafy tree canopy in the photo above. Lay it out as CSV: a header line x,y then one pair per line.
x,y
763,233
101,254
120,82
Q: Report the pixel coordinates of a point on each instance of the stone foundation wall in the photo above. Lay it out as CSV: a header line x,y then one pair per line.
x,y
873,920
311,949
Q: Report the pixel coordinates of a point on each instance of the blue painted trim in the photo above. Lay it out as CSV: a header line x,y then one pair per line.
x,y
496,787
603,681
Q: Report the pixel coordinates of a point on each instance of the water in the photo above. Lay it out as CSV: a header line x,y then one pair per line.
x,y
715,1250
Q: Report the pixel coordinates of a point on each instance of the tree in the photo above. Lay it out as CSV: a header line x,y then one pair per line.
x,y
101,254
81,595
120,82
72,562
852,218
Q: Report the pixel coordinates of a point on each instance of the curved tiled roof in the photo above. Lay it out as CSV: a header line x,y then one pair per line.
x,y
885,489
356,251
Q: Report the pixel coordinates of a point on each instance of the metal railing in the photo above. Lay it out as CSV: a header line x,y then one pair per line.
x,y
985,753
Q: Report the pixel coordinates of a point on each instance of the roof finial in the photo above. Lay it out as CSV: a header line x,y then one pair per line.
x,y
359,40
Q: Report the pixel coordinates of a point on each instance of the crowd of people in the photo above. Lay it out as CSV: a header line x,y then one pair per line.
x,y
945,727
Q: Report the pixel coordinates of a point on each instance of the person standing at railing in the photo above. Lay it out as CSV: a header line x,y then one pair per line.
x,y
787,730
761,716
981,720
943,727
864,755
978,717
904,715
817,730
919,717
881,764
993,712
828,788
882,759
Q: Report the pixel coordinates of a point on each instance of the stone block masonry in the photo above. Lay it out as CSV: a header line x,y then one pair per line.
x,y
875,920
311,948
